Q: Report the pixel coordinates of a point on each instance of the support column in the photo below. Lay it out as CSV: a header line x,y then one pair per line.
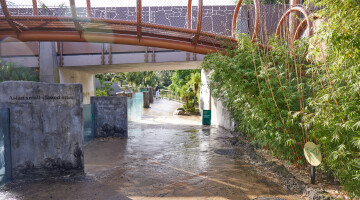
x,y
86,79
49,70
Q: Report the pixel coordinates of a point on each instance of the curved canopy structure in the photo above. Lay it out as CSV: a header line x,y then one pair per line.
x,y
40,23
47,27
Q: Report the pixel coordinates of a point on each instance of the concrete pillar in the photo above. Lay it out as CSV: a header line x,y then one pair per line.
x,y
49,70
205,97
146,99
86,79
151,94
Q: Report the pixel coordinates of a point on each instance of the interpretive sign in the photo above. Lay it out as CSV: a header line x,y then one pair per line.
x,y
110,116
46,128
312,153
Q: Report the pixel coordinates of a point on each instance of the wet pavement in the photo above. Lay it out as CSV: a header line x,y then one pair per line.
x,y
167,157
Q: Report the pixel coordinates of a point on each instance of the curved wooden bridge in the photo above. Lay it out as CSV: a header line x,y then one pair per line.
x,y
89,29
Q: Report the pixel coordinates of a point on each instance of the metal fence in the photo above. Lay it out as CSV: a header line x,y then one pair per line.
x,y
170,95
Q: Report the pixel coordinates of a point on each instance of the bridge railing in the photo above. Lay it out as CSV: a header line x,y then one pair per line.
x,y
170,95
182,26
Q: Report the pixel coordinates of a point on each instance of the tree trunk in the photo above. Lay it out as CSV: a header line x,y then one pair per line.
x,y
187,102
196,89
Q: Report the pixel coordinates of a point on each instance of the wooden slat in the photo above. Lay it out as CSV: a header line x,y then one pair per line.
x,y
138,17
35,8
88,8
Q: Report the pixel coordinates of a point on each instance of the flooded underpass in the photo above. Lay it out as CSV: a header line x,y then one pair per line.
x,y
166,156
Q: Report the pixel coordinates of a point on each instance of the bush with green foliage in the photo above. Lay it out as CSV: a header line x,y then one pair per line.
x,y
281,100
335,116
186,83
105,88
12,72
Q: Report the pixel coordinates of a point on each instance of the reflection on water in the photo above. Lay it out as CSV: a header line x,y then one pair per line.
x,y
87,117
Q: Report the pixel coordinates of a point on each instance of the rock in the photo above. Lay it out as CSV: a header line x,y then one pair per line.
x,y
179,112
181,109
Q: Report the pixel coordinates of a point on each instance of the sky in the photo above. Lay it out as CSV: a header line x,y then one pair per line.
x,y
121,3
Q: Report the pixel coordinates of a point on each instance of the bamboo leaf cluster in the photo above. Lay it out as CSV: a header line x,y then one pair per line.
x,y
282,99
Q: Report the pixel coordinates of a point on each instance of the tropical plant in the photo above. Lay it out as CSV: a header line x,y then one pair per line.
x,y
195,81
105,88
11,72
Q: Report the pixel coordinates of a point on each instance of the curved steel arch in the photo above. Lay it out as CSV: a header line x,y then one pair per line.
x,y
90,29
287,13
302,25
257,19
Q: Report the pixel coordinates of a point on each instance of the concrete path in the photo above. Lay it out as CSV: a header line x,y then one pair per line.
x,y
165,157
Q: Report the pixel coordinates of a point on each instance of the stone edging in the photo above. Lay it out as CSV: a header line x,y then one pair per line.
x,y
285,177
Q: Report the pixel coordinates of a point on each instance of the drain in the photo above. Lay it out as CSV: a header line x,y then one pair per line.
x,y
229,152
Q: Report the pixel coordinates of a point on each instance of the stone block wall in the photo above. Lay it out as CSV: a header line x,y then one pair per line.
x,y
110,116
46,128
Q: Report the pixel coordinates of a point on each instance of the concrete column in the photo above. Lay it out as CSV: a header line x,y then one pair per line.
x,y
49,70
151,93
146,99
205,97
86,79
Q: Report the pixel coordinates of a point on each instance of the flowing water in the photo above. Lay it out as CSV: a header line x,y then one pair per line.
x,y
165,157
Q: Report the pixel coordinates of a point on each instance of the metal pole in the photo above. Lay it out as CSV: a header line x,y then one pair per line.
x,y
312,174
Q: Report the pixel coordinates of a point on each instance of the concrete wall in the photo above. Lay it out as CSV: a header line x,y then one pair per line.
x,y
86,79
110,116
46,128
220,116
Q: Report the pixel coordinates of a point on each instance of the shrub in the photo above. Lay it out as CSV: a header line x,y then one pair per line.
x,y
12,72
282,100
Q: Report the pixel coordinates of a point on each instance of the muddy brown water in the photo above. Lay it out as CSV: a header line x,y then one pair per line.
x,y
165,157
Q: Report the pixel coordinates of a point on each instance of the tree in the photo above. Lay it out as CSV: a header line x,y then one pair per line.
x,y
185,93
119,77
180,78
142,79
195,81
164,77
